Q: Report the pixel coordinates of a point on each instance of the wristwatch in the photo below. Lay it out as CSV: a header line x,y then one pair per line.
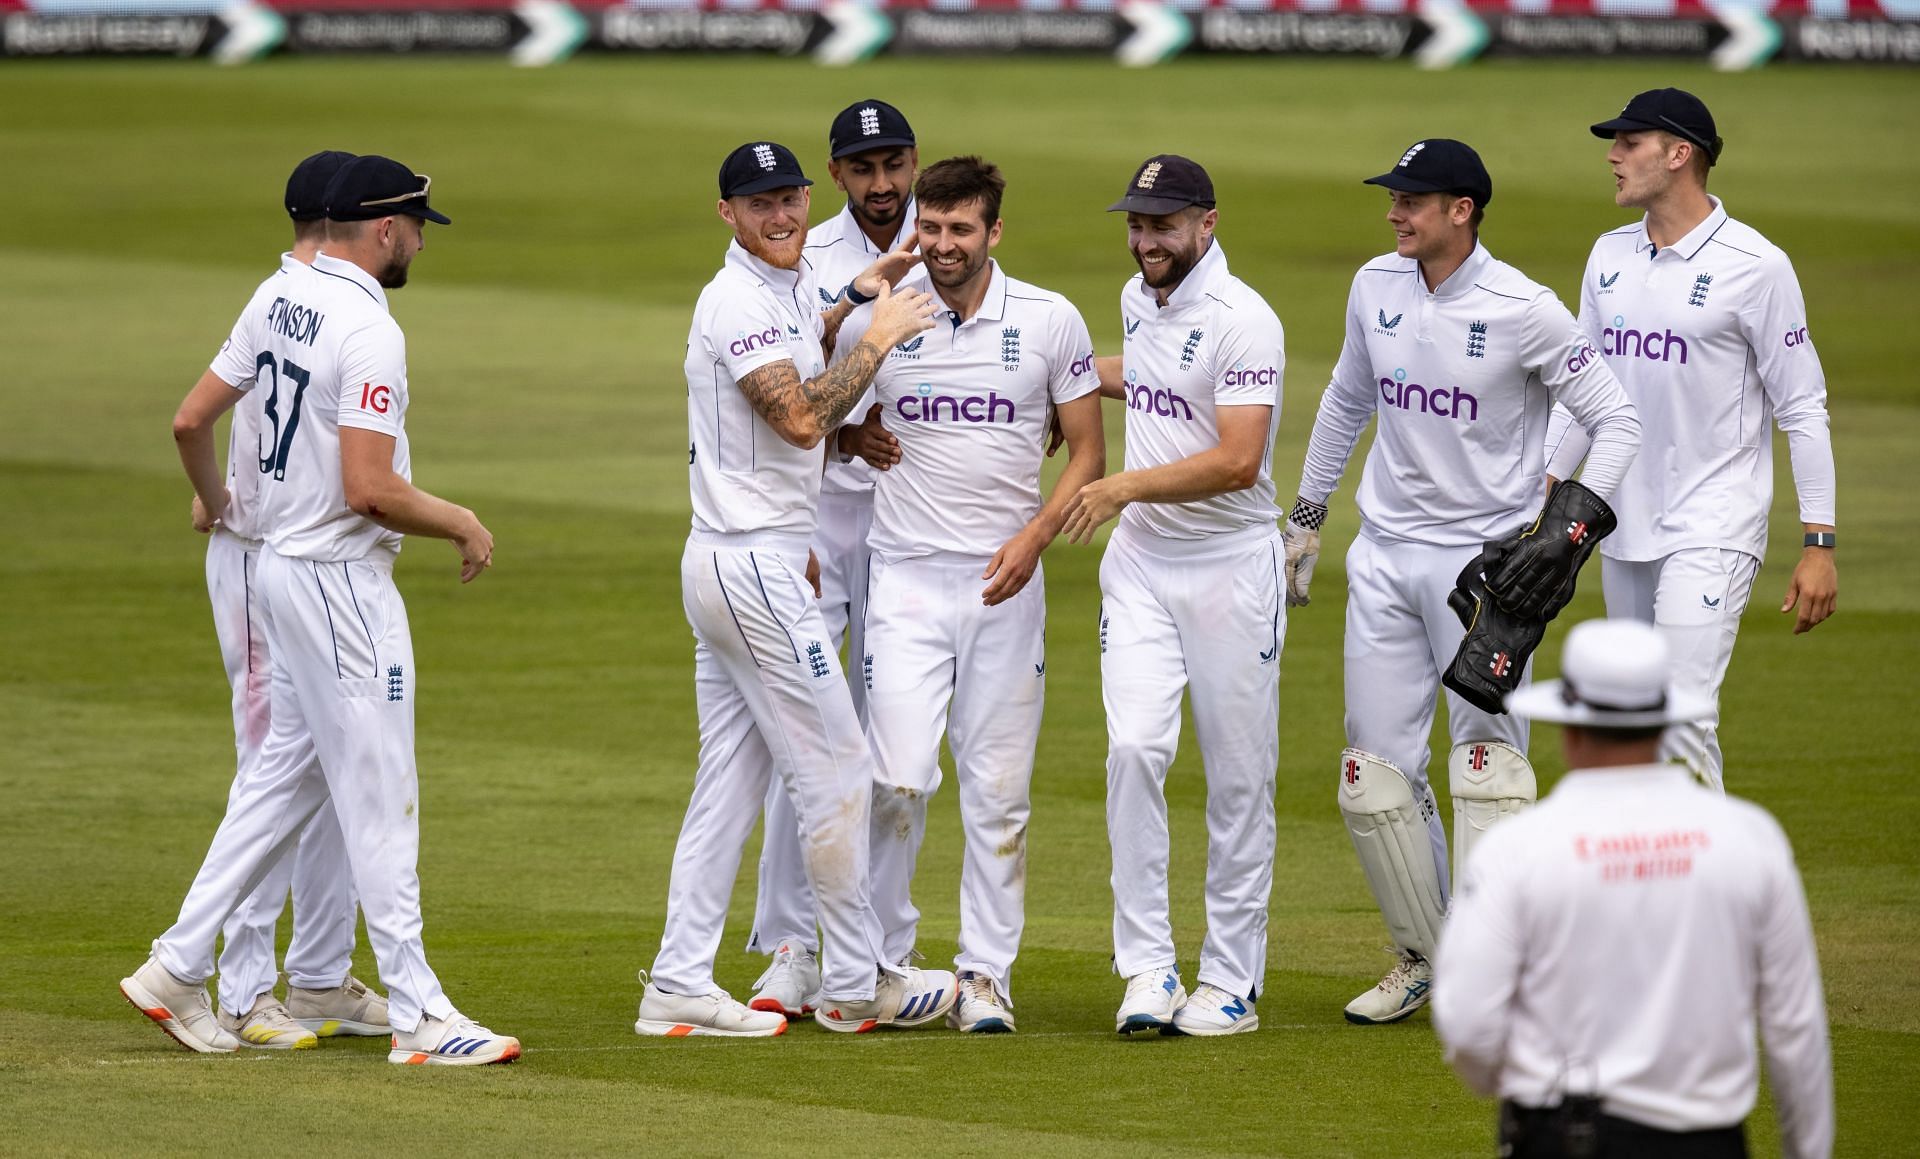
x,y
1819,539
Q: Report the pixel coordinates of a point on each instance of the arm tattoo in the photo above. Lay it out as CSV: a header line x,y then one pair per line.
x,y
833,393
769,391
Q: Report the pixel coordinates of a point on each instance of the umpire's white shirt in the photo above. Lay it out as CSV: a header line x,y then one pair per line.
x,y
1709,337
745,478
1463,378
969,402
328,355
1621,938
236,365
839,251
1216,343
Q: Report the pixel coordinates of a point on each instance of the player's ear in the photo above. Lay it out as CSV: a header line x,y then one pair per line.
x,y
725,210
1208,221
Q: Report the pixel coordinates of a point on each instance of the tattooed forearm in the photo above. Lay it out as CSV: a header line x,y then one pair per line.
x,y
832,394
770,392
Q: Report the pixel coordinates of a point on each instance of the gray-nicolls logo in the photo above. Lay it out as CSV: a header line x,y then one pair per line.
x,y
1148,176
764,155
869,122
1410,154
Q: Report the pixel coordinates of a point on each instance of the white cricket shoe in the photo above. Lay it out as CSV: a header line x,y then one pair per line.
x,y
706,1015
915,999
1153,997
351,1008
1213,1011
455,1040
268,1026
1404,990
791,985
980,1007
182,1009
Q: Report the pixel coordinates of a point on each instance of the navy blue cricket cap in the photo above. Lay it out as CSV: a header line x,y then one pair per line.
x,y
307,187
1675,111
1166,183
758,166
866,125
1439,165
371,187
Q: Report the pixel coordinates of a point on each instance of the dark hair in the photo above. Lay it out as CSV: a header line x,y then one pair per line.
x,y
315,230
957,180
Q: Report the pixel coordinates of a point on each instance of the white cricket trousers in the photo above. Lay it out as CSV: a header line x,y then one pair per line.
x,y
342,730
772,703
943,663
1696,598
1401,636
783,905
321,951
1205,617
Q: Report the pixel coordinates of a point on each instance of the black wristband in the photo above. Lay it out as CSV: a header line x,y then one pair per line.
x,y
856,297
1819,539
1308,515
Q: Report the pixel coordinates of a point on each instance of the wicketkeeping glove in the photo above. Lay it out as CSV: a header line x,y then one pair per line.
x,y
1493,655
1530,573
1302,541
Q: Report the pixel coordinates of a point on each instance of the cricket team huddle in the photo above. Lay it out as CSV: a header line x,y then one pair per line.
x,y
870,401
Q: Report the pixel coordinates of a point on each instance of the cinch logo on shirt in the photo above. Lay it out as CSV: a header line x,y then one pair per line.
x,y
924,406
747,343
1628,343
1250,376
1577,361
1433,400
1798,337
1081,365
1157,401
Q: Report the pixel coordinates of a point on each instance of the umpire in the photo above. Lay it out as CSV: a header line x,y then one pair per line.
x,y
1610,950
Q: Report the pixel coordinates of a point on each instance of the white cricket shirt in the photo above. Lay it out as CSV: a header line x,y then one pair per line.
x,y
325,355
1709,338
1621,938
1216,343
839,252
1462,379
970,402
746,478
236,365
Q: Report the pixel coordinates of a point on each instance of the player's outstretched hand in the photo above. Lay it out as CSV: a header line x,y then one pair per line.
x,y
205,521
813,573
1093,505
1814,589
871,441
1011,567
889,269
476,550
899,314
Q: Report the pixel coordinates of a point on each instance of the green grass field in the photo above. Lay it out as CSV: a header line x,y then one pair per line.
x,y
556,731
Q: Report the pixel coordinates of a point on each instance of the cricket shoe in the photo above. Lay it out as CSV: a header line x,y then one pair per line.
x,y
1153,997
1404,990
351,1008
268,1026
455,1040
980,1007
913,999
791,985
182,1009
703,1015
1212,1011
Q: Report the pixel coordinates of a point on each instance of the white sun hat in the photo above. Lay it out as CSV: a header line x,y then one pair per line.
x,y
1614,674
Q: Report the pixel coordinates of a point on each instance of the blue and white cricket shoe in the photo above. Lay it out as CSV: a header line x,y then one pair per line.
x,y
452,1041
913,998
1404,990
1153,997
981,1008
1213,1011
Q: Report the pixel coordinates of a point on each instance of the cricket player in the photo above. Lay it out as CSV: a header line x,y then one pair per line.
x,y
873,160
957,615
1460,357
325,997
760,402
1571,968
1190,598
335,499
1702,321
